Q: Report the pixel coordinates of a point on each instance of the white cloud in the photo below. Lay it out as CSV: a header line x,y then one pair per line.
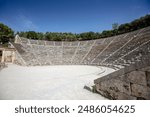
x,y
26,23
136,7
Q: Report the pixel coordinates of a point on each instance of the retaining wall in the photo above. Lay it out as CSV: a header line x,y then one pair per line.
x,y
132,83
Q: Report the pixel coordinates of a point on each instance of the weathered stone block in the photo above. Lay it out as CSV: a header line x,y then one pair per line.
x,y
137,77
105,94
114,85
110,94
148,78
123,96
146,68
140,91
129,68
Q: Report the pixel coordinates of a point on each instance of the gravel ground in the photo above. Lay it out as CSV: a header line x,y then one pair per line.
x,y
49,82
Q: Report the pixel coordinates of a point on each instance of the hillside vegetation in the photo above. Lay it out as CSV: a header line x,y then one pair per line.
x,y
57,36
7,33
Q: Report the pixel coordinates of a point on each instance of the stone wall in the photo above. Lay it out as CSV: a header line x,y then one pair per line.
x,y
131,83
8,55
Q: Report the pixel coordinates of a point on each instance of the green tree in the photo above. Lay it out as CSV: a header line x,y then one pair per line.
x,y
32,35
6,34
116,29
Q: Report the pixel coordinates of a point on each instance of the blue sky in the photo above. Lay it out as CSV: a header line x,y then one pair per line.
x,y
70,15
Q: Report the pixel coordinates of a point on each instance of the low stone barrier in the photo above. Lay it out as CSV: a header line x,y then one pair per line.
x,y
131,83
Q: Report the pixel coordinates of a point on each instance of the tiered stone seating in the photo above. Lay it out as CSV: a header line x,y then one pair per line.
x,y
28,55
120,42
109,48
67,55
75,43
98,49
66,44
19,48
119,50
81,52
33,41
135,42
58,43
41,54
140,53
49,43
24,40
95,50
41,42
55,55
129,44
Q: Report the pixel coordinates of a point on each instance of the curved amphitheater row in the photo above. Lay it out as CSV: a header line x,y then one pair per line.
x,y
128,53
